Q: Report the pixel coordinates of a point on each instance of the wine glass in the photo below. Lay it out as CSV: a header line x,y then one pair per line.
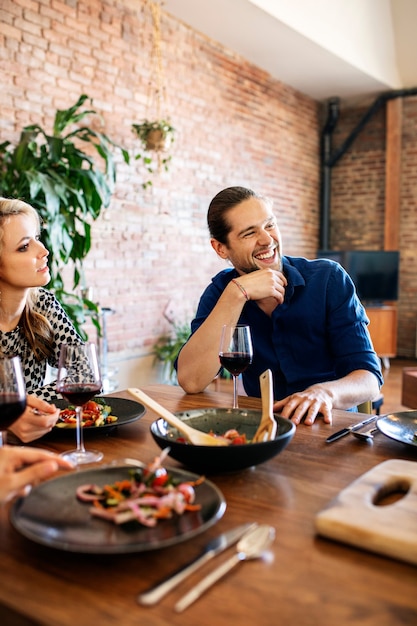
x,y
12,394
235,352
79,380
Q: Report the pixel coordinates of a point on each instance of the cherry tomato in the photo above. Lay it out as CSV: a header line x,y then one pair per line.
x,y
91,406
160,477
238,441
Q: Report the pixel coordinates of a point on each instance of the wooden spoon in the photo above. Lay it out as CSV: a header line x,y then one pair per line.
x,y
197,437
267,427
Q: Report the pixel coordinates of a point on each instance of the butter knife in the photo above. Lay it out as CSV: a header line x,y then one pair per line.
x,y
214,547
350,429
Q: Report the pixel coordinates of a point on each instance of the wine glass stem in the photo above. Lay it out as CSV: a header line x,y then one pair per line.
x,y
3,438
80,437
235,402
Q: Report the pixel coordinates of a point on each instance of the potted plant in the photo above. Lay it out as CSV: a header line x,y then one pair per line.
x,y
167,348
51,172
156,138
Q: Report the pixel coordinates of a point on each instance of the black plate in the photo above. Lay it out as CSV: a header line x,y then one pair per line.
x,y
399,426
53,516
126,411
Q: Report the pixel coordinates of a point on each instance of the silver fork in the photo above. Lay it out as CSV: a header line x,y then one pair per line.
x,y
368,435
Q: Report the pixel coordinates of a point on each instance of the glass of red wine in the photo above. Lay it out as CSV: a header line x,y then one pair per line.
x,y
12,394
235,353
78,381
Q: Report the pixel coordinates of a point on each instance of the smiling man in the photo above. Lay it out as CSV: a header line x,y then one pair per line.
x,y
307,323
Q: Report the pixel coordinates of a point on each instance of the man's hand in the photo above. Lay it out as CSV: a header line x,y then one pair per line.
x,y
264,283
306,405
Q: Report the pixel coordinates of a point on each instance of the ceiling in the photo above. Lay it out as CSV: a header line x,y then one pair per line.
x,y
301,60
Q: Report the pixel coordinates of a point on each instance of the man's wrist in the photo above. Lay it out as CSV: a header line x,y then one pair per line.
x,y
241,288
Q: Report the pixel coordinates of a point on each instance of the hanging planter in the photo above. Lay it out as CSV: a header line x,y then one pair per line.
x,y
155,132
156,138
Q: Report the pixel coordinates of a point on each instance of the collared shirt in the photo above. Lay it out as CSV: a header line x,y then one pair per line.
x,y
319,333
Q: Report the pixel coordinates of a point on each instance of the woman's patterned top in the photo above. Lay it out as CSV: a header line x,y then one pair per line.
x,y
14,343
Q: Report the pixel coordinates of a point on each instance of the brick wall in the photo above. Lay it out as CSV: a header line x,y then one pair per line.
x,y
357,193
358,202
235,125
408,231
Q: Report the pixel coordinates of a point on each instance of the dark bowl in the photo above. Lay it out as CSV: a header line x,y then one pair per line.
x,y
216,459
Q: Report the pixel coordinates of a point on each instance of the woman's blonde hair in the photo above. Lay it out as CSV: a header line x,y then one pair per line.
x,y
35,327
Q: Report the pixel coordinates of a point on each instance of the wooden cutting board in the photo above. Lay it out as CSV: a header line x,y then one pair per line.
x,y
390,529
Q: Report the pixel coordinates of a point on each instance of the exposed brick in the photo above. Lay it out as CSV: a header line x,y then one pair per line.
x,y
9,31
27,4
358,186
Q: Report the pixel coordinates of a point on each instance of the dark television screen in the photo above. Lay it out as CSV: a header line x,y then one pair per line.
x,y
374,272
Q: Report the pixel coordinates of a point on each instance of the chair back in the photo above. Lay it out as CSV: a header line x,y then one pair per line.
x,y
365,407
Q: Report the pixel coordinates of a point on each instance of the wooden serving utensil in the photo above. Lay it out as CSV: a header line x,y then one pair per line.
x,y
194,436
267,427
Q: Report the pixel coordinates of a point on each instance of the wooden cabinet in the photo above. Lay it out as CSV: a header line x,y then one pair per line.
x,y
409,388
383,330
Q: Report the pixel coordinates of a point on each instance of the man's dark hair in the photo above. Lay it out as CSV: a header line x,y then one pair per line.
x,y
219,207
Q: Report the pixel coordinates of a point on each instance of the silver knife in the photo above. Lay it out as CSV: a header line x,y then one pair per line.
x,y
350,429
214,547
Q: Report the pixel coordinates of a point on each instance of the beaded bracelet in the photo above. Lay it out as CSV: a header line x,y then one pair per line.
x,y
242,289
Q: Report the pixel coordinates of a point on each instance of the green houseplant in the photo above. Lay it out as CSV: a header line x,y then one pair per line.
x,y
156,138
167,348
52,173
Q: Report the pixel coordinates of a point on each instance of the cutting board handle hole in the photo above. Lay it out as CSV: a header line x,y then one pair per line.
x,y
392,492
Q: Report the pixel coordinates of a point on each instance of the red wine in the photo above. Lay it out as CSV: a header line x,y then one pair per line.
x,y
235,362
79,393
12,405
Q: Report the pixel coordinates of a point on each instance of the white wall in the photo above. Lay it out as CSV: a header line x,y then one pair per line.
x,y
323,48
358,31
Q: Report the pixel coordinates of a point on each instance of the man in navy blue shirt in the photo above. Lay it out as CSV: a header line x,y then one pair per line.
x,y
307,323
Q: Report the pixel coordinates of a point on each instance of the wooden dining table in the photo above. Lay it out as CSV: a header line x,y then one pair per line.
x,y
304,580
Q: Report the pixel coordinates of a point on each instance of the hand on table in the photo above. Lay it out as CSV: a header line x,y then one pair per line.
x,y
306,405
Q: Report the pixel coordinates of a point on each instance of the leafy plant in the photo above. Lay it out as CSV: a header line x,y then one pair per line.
x,y
156,137
167,347
53,174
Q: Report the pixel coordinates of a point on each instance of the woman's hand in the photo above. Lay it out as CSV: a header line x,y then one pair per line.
x,y
21,468
38,419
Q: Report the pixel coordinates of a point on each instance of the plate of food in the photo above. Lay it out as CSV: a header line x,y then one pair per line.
x,y
100,412
400,426
60,513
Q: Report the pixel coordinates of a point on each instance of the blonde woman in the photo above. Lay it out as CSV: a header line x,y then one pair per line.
x,y
33,324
